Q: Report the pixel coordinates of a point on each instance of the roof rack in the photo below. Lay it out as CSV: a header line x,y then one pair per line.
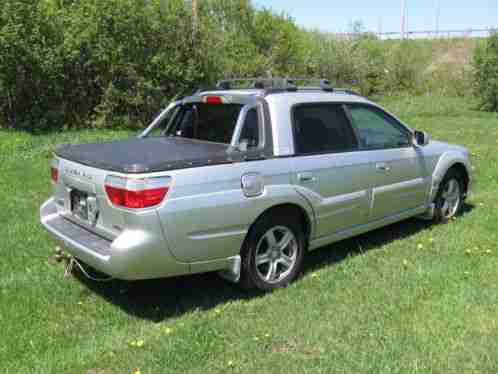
x,y
347,91
277,85
274,84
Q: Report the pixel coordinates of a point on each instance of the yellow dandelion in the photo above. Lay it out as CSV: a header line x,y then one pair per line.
x,y
314,275
140,343
420,246
405,263
137,372
230,363
468,252
168,330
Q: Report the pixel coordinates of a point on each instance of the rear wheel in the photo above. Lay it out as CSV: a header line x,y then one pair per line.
x,y
449,199
273,253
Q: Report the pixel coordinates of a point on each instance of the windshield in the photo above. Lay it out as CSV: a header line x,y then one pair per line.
x,y
214,123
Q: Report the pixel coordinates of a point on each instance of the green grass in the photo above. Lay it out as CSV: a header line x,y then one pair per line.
x,y
412,297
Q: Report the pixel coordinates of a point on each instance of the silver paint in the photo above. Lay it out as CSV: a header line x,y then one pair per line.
x,y
202,223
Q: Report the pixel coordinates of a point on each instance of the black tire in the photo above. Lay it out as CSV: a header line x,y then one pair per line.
x,y
444,211
278,225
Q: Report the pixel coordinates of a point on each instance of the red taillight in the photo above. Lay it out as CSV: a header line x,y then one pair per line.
x,y
54,170
116,195
55,174
136,199
214,100
137,193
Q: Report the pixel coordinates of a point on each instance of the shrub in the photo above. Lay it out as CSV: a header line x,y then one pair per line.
x,y
31,64
486,73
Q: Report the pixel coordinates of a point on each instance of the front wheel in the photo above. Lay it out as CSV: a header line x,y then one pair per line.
x,y
449,199
273,253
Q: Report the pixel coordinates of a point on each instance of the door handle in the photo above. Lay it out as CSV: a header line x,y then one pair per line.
x,y
306,177
382,166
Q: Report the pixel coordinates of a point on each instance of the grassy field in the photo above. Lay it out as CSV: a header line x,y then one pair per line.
x,y
413,297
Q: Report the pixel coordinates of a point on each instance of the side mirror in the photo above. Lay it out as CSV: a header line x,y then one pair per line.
x,y
421,138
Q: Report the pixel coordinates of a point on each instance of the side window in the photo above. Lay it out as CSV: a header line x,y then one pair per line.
x,y
250,130
165,122
378,130
322,128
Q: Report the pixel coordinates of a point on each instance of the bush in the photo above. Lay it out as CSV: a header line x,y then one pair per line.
x,y
486,73
114,63
31,64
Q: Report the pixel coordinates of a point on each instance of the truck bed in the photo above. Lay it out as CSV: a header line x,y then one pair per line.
x,y
145,155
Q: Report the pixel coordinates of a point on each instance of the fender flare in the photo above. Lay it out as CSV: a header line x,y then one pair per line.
x,y
446,161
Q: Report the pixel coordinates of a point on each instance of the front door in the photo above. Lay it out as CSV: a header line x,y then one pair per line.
x,y
401,181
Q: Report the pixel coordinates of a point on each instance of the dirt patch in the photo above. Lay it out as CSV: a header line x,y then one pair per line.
x,y
453,52
294,346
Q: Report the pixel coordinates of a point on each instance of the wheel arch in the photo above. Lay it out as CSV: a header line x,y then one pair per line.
x,y
461,169
448,161
285,209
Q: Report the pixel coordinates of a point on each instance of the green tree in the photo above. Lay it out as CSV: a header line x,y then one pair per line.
x,y
486,73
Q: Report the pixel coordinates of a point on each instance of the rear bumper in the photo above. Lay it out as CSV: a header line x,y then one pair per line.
x,y
133,255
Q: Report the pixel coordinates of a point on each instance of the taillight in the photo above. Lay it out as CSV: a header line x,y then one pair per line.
x,y
136,193
54,171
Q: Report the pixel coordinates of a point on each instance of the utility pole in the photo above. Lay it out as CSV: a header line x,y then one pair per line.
x,y
438,13
195,16
403,18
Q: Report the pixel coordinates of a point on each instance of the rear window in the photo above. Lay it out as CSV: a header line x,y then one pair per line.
x,y
322,128
213,123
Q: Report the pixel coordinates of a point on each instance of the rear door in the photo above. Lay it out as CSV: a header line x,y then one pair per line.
x,y
400,181
330,171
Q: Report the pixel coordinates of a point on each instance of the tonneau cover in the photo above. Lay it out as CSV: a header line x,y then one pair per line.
x,y
143,155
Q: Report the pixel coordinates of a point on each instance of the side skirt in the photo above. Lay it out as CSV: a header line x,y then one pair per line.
x,y
357,230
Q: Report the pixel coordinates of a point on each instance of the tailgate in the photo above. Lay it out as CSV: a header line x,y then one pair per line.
x,y
80,197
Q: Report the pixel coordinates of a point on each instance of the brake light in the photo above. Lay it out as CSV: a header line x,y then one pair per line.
x,y
54,171
136,193
214,100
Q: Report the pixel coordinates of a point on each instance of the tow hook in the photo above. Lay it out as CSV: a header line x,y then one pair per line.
x,y
71,263
60,255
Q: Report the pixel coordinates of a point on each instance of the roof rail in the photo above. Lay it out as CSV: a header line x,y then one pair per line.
x,y
286,84
279,85
347,91
259,83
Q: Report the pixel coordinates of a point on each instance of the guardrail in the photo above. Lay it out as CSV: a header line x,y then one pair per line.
x,y
432,34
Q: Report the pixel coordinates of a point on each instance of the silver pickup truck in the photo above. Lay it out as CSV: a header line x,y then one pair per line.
x,y
247,181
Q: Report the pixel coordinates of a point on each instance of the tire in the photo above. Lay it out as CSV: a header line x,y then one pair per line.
x,y
450,197
273,252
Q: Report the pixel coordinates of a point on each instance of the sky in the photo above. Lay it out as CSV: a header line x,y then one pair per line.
x,y
337,15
